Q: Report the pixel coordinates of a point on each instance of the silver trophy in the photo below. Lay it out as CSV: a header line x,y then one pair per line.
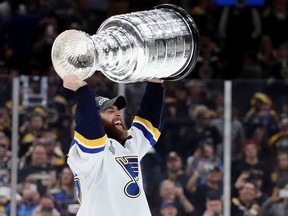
x,y
160,43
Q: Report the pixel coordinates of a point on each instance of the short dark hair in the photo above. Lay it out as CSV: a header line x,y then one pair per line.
x,y
213,195
250,181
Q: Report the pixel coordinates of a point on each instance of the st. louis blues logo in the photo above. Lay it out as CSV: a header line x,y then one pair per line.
x,y
131,167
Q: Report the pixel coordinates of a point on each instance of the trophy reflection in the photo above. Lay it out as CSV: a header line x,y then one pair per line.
x,y
159,43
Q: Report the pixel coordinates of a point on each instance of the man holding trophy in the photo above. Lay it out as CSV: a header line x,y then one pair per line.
x,y
152,46
105,156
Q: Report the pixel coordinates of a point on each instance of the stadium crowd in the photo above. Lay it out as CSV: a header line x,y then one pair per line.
x,y
183,174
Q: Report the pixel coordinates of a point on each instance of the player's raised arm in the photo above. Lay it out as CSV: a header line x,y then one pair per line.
x,y
150,115
89,134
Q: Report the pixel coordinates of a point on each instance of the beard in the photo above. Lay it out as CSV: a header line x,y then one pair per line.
x,y
118,133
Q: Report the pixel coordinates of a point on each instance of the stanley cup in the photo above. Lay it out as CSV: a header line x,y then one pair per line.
x,y
160,43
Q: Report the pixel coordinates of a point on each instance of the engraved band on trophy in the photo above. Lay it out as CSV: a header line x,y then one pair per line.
x,y
159,43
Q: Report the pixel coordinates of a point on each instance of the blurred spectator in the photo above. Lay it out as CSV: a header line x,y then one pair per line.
x,y
257,178
48,139
277,89
59,116
205,14
279,140
6,86
197,93
5,197
64,192
231,18
280,67
203,159
217,119
57,103
64,134
46,207
176,121
260,114
168,208
202,128
251,164
266,54
151,166
176,100
55,154
5,160
207,66
29,201
244,204
174,171
38,170
46,34
169,191
5,121
279,175
9,103
214,206
251,67
3,202
216,106
30,130
238,134
180,104
213,183
276,21
261,137
277,204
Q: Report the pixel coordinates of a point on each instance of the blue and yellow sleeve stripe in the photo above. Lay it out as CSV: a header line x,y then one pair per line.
x,y
150,132
91,146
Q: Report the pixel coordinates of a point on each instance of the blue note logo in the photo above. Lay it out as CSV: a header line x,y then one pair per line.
x,y
131,167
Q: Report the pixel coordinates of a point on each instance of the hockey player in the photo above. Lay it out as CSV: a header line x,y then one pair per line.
x,y
105,156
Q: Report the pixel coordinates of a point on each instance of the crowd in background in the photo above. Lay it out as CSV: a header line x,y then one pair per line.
x,y
237,42
183,174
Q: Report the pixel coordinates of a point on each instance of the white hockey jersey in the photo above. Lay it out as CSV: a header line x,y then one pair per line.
x,y
107,174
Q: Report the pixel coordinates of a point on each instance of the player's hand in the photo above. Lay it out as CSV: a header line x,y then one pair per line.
x,y
156,80
72,82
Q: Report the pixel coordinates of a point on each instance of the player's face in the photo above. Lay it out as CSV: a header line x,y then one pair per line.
x,y
113,125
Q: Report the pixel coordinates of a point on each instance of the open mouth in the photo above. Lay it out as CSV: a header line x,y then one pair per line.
x,y
118,124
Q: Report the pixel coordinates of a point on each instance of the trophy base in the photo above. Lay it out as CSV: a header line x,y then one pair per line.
x,y
187,69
